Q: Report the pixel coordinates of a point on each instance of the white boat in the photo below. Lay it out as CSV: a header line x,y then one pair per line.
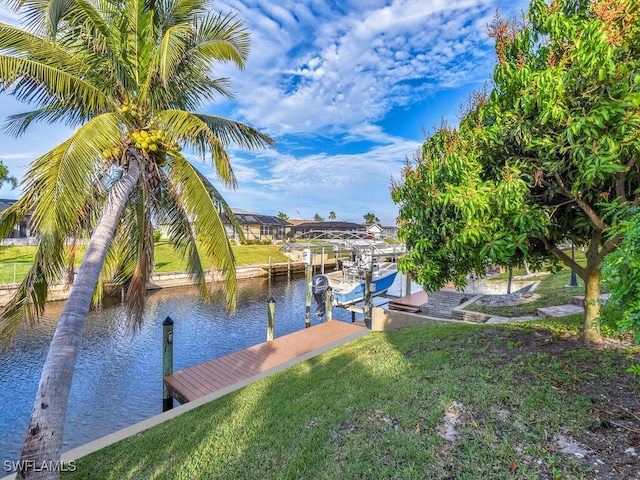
x,y
348,284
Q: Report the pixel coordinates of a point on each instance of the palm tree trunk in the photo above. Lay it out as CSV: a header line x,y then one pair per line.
x,y
43,444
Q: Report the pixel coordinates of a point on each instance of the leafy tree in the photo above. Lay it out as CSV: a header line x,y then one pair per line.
x,y
283,216
318,218
332,215
5,177
129,75
621,273
549,156
371,218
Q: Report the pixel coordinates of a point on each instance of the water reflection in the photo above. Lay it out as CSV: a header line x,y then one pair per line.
x,y
118,376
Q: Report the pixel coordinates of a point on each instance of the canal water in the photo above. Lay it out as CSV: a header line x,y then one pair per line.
x,y
118,378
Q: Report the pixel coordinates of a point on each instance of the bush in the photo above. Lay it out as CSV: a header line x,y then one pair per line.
x,y
621,274
248,241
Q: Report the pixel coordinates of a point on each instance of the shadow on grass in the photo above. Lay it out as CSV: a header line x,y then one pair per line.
x,y
440,401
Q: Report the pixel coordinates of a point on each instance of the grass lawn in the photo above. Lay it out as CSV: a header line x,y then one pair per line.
x,y
440,401
15,261
553,291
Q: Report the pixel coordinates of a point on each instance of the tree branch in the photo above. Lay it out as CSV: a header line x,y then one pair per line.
x,y
620,191
552,248
584,206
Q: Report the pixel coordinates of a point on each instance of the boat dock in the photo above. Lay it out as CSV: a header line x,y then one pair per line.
x,y
410,303
236,370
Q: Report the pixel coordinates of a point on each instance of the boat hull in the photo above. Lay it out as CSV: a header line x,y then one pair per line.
x,y
350,292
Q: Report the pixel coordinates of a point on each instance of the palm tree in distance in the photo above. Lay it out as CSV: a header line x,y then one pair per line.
x,y
129,74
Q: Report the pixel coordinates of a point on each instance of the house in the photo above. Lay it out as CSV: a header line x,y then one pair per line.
x,y
374,231
22,233
321,229
256,226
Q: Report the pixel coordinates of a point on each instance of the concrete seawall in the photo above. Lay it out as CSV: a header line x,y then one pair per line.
x,y
58,291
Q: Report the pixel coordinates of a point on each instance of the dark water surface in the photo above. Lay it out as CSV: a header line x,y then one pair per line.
x,y
118,379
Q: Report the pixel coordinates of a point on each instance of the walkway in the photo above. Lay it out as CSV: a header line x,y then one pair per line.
x,y
240,368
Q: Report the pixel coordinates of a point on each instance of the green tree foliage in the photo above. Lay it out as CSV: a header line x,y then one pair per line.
x,y
621,273
130,76
332,215
5,177
370,218
318,218
550,155
283,216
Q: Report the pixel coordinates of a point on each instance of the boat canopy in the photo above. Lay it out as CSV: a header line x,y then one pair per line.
x,y
346,242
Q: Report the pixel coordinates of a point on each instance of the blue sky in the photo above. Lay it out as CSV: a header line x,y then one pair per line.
x,y
346,88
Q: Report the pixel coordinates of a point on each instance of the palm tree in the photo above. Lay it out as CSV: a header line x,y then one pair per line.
x,y
5,177
129,74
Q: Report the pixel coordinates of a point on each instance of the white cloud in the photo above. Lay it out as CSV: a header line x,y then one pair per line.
x,y
315,73
322,76
349,184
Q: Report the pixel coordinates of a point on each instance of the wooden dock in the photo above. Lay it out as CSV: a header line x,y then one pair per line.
x,y
409,303
238,369
283,268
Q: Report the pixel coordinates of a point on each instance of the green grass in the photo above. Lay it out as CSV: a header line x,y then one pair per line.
x,y
376,408
552,290
15,261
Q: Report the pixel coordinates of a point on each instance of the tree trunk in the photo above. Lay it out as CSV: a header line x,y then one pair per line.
x,y
591,329
43,444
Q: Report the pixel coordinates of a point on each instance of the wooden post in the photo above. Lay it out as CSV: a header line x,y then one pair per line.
x,y
368,278
269,281
271,318
307,285
167,361
322,261
289,269
329,304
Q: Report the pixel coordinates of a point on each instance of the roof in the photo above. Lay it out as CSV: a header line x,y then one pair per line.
x,y
329,226
4,204
298,221
251,218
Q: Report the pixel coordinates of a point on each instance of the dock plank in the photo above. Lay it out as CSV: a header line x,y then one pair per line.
x,y
236,369
409,303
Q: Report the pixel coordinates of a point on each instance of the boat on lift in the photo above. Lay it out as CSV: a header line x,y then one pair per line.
x,y
348,284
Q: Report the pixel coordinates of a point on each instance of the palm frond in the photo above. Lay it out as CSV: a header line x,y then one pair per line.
x,y
29,301
229,131
173,216
37,82
171,50
13,215
198,195
190,129
144,245
42,16
58,180
222,38
174,12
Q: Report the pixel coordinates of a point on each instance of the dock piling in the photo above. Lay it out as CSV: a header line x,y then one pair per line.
x,y
271,318
307,276
167,361
367,298
329,304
